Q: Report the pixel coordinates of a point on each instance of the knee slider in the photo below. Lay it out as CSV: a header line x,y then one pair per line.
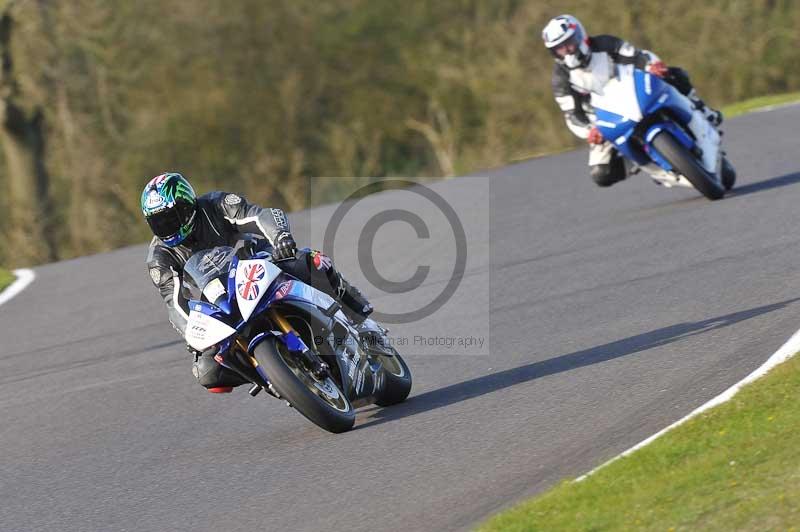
x,y
207,372
601,174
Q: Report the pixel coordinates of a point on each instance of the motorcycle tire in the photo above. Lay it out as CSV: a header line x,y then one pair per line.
x,y
728,174
684,163
322,403
398,381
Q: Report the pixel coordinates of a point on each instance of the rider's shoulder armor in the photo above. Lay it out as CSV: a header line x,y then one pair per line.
x,y
619,50
607,51
223,204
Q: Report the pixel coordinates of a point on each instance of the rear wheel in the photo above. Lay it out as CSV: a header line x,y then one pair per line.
x,y
728,174
397,380
321,401
685,164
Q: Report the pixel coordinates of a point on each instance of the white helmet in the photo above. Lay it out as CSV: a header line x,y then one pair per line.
x,y
566,39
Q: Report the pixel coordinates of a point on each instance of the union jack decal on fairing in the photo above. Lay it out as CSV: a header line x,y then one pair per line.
x,y
248,288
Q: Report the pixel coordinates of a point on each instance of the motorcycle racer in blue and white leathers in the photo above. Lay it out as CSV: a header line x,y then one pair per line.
x,y
583,64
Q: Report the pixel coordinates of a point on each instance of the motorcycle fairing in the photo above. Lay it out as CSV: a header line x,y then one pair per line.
x,y
624,105
308,293
203,329
709,142
361,376
286,288
253,278
653,93
273,281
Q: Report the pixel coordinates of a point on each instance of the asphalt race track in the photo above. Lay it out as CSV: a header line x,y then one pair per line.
x,y
606,314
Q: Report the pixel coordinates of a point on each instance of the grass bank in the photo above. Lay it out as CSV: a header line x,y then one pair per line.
x,y
6,278
734,467
761,102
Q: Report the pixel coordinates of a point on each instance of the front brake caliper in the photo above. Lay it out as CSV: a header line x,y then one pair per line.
x,y
315,365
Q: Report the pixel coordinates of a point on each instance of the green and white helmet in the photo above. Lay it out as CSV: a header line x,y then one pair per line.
x,y
169,205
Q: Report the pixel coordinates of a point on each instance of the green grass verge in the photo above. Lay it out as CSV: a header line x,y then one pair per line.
x,y
734,467
6,278
754,104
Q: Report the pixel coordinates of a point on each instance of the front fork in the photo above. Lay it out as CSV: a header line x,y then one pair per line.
x,y
238,358
312,362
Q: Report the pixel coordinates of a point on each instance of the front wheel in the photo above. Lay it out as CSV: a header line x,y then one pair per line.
x,y
685,164
397,383
322,402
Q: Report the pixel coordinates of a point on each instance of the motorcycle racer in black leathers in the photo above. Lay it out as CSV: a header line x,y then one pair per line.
x,y
583,64
184,224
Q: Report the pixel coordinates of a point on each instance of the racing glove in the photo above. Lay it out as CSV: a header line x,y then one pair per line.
x,y
284,246
595,137
658,68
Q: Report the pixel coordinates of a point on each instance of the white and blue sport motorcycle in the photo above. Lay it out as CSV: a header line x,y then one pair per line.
x,y
288,338
657,128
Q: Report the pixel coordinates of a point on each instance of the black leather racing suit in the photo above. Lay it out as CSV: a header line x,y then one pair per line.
x,y
223,219
572,91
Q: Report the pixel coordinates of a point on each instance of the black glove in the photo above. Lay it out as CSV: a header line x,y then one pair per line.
x,y
284,246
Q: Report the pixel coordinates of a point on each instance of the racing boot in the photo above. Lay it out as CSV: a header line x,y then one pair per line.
x,y
712,115
605,175
354,305
374,337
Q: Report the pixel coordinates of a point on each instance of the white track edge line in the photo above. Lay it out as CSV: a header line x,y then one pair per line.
x,y
24,278
785,352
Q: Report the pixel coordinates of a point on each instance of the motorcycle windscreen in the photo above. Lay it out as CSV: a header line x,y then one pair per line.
x,y
618,98
253,278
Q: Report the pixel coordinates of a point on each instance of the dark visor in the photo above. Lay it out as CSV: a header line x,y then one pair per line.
x,y
166,223
568,47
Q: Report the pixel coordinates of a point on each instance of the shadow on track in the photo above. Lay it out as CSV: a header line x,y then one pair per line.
x,y
476,387
775,182
692,202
